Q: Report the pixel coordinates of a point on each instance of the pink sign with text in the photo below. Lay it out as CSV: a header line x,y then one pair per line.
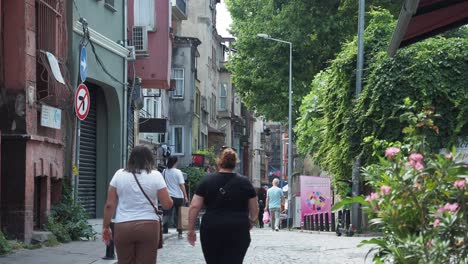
x,y
316,195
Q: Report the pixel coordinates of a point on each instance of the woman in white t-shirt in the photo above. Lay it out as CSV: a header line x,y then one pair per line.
x,y
137,225
176,187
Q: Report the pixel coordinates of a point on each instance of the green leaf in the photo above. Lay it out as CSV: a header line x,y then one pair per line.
x,y
350,200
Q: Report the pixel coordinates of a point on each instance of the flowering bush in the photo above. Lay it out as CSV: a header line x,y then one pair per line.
x,y
419,202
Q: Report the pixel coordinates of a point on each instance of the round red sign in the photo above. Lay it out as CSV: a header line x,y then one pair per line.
x,y
82,102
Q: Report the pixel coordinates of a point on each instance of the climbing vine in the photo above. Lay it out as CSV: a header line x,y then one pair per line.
x,y
333,124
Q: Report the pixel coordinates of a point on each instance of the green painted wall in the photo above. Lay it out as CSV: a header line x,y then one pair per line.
x,y
110,109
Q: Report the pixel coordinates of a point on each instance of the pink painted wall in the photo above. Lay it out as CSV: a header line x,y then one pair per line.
x,y
155,70
43,149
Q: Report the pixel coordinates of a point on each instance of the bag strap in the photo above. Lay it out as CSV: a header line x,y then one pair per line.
x,y
164,174
144,193
222,190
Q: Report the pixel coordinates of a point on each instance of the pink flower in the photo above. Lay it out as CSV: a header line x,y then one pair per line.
x,y
451,207
460,184
448,207
449,156
430,243
372,196
385,189
436,223
416,165
391,152
441,210
415,161
416,157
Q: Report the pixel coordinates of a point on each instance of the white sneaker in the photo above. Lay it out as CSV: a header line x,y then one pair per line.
x,y
276,229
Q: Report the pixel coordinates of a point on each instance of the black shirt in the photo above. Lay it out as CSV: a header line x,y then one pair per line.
x,y
232,207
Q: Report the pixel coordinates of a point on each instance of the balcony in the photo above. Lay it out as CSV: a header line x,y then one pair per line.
x,y
179,8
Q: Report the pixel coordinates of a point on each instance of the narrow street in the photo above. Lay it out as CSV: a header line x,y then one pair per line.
x,y
279,247
286,247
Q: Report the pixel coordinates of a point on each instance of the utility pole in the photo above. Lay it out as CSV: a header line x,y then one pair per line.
x,y
355,220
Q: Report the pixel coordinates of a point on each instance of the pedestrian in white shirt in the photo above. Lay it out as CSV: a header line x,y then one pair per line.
x,y
135,191
176,187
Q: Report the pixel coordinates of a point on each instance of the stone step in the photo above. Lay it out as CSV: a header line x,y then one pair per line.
x,y
40,236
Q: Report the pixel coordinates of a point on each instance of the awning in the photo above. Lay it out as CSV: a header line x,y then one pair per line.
x,y
421,19
153,125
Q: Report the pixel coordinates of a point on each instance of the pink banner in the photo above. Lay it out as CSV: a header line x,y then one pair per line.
x,y
315,195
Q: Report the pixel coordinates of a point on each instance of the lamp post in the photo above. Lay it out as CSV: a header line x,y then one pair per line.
x,y
268,37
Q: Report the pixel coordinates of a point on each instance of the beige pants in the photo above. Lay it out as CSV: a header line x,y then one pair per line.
x,y
137,242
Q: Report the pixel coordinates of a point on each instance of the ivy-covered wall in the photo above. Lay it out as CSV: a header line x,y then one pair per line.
x,y
333,125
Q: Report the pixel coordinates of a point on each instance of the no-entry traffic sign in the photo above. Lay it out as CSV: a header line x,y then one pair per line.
x,y
82,102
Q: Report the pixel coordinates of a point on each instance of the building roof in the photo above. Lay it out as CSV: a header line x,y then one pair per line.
x,y
421,19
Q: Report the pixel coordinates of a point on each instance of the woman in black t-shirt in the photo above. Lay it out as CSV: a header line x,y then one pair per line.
x,y
231,210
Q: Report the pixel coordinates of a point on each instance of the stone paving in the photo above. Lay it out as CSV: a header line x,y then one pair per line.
x,y
288,247
278,248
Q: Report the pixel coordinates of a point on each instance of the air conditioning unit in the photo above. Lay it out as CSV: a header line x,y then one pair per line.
x,y
131,53
140,39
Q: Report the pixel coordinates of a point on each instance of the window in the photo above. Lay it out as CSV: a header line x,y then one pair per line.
x,y
178,76
213,57
144,12
155,109
147,108
197,103
178,139
213,107
222,96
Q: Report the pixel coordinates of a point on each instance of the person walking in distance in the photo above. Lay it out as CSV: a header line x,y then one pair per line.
x,y
176,186
135,191
231,210
274,200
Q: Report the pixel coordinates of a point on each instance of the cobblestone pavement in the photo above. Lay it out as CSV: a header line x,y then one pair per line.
x,y
287,247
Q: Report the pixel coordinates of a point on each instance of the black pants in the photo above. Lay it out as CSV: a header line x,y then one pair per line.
x,y
224,245
173,214
260,218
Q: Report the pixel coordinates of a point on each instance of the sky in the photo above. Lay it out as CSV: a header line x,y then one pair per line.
x,y
223,19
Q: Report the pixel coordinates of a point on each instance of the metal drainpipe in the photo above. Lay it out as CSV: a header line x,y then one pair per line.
x,y
125,91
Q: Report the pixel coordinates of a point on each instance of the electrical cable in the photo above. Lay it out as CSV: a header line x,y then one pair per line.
x,y
87,40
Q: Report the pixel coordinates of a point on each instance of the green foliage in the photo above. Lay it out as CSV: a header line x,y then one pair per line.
x,y
51,242
334,127
5,246
195,174
420,200
209,153
316,29
68,220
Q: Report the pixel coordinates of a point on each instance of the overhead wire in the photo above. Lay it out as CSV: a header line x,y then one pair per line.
x,y
87,40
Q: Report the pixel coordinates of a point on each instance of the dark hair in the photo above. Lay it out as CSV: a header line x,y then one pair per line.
x,y
140,159
227,159
171,161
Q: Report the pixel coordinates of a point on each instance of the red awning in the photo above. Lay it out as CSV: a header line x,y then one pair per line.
x,y
421,19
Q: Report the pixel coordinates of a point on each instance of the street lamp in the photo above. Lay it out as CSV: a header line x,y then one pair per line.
x,y
268,37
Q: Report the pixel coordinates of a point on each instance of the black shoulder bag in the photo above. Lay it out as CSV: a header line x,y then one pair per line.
x,y
160,245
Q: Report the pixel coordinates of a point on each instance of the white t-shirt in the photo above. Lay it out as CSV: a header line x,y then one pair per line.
x,y
174,178
132,204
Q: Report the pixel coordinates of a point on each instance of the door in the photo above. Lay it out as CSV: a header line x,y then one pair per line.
x,y
87,158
